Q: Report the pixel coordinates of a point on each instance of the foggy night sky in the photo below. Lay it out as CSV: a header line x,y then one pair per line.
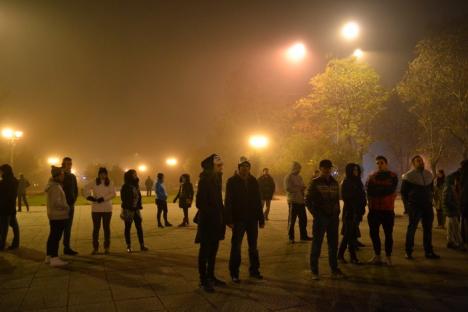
x,y
103,80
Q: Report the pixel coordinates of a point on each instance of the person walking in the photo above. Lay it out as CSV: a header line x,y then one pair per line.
x,y
8,194
185,197
100,192
295,188
23,184
70,187
451,204
210,218
244,215
416,192
354,198
323,201
58,214
161,200
131,206
381,188
438,185
149,186
267,190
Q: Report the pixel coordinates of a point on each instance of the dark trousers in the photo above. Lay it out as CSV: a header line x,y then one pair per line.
x,y
57,228
207,259
320,226
106,218
4,224
295,211
349,240
162,209
266,203
22,197
440,218
375,219
128,225
426,216
68,228
148,192
185,210
238,231
16,232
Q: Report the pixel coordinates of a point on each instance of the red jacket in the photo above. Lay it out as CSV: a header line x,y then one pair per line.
x,y
381,190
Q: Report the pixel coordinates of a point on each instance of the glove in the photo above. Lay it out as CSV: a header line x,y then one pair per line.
x,y
91,198
100,200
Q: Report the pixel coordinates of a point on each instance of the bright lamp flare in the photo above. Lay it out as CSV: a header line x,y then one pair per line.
x,y
296,52
358,53
171,161
258,141
53,161
142,168
350,30
7,133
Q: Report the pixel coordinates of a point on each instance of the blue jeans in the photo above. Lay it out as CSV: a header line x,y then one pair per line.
x,y
321,225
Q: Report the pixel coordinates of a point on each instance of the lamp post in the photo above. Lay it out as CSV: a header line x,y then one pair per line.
x,y
12,136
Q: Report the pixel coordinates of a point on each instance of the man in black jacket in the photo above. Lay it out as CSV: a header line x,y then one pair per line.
x,y
70,187
267,190
244,215
323,201
416,192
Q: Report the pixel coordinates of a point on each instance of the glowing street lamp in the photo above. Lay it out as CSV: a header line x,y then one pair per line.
x,y
258,141
142,168
358,53
350,31
12,136
171,161
296,53
53,161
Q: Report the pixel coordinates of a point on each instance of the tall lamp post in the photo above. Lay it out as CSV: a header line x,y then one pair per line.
x,y
12,136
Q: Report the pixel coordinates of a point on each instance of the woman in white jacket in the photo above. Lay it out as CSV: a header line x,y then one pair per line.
x,y
100,192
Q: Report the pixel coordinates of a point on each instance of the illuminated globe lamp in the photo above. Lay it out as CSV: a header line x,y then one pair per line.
x,y
142,168
259,142
171,162
53,161
296,53
350,31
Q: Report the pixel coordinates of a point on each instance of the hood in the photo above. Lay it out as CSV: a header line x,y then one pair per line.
x,y
51,184
418,177
349,170
296,167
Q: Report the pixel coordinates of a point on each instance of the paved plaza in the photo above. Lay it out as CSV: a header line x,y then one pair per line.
x,y
165,278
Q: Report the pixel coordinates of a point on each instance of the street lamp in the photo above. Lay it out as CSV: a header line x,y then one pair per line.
x,y
358,53
258,141
53,161
296,52
142,168
350,31
171,161
12,136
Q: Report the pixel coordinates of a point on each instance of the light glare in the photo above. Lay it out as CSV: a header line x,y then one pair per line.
x,y
358,53
258,141
350,30
296,52
171,161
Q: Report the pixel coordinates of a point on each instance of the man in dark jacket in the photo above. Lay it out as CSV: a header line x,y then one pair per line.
x,y
8,194
323,201
267,190
381,192
23,184
244,215
210,219
149,185
416,192
70,187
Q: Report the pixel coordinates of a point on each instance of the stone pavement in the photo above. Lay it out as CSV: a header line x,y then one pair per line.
x,y
165,278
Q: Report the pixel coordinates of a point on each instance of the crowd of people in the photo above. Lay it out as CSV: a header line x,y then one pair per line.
x,y
242,210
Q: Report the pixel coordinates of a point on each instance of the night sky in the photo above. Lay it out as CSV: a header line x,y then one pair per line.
x,y
101,81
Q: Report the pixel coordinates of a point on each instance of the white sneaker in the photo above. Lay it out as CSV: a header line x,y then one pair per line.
x,y
376,260
389,260
47,260
57,262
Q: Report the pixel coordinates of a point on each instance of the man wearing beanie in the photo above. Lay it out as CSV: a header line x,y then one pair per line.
x,y
244,215
323,201
210,219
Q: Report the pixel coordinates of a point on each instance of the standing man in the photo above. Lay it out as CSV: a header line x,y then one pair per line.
x,y
244,214
267,190
149,185
8,194
323,201
70,187
416,192
381,193
23,184
161,200
210,218
295,188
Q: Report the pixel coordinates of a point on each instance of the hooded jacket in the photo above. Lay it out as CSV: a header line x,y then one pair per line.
x,y
57,206
294,185
323,197
381,190
8,194
416,189
267,187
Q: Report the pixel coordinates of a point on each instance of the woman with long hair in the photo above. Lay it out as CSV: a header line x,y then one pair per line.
x,y
185,197
100,192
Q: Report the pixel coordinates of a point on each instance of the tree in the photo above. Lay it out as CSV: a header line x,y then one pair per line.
x,y
342,105
435,87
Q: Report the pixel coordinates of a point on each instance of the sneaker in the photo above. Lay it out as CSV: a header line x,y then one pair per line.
x,y
377,260
167,224
143,248
388,260
47,260
160,225
129,249
183,224
356,261
235,279
342,260
315,276
217,282
106,251
69,252
291,240
57,262
409,256
337,274
432,255
94,252
13,247
256,275
207,286
306,239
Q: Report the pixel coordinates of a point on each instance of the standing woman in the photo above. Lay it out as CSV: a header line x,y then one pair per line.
x,y
439,182
210,219
131,206
185,197
100,192
58,212
8,194
354,198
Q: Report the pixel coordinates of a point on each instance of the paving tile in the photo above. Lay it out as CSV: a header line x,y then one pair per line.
x,y
95,307
140,305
